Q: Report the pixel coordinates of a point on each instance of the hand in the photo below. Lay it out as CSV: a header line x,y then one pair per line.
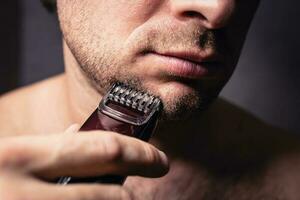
x,y
28,162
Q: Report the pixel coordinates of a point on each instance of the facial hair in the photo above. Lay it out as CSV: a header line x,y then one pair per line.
x,y
105,62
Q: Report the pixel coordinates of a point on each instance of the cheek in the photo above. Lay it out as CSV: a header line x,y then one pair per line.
x,y
106,21
121,17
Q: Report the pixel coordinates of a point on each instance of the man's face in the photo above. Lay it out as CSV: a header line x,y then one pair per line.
x,y
183,51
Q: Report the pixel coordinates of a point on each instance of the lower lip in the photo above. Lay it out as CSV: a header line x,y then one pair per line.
x,y
180,67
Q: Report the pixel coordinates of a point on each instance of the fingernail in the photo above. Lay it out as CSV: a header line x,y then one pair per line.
x,y
164,158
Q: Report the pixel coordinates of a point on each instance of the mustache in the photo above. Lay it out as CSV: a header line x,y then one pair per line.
x,y
167,36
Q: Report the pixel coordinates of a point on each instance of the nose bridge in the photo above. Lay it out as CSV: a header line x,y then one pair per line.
x,y
213,13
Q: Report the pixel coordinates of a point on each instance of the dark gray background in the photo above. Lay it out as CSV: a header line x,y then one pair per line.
x,y
266,81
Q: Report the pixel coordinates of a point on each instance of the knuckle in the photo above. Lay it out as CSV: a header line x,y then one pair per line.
x,y
111,147
104,145
125,195
12,156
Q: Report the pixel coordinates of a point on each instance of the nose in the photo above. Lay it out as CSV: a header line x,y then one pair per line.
x,y
213,14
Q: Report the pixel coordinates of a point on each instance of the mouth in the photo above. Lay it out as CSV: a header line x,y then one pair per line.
x,y
187,65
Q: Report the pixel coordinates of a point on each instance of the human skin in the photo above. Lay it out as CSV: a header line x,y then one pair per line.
x,y
219,153
127,43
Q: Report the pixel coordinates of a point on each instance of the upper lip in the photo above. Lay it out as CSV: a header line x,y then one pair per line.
x,y
192,56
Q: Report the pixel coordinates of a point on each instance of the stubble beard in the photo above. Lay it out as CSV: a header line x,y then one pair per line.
x,y
175,108
110,65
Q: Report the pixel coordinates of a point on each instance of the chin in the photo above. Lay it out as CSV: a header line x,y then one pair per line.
x,y
179,100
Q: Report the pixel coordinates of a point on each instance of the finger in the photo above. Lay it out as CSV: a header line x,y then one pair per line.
x,y
17,186
98,153
86,154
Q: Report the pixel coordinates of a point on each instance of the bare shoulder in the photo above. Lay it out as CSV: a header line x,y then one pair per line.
x,y
266,158
254,136
233,117
19,107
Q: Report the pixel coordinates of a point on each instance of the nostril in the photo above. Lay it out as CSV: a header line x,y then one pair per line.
x,y
193,14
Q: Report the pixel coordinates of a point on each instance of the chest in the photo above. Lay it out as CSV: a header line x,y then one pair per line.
x,y
180,183
185,182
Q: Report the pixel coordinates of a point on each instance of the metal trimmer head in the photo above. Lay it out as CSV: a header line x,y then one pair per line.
x,y
140,105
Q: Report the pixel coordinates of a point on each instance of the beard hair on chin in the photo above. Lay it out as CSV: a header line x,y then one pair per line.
x,y
175,108
187,106
180,108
